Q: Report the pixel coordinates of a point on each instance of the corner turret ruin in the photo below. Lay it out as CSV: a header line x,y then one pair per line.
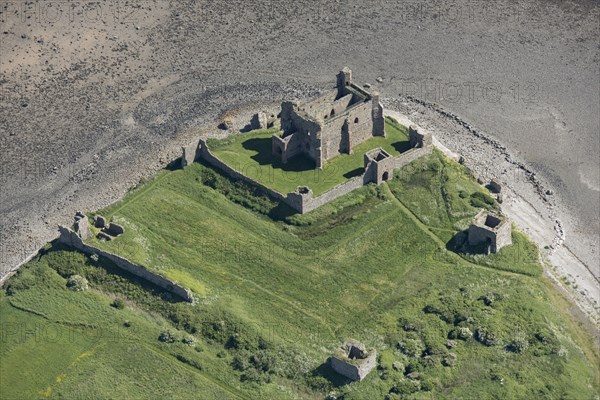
x,y
353,361
494,231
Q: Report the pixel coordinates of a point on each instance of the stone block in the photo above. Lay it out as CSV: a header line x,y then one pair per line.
x,y
259,121
495,186
82,228
114,229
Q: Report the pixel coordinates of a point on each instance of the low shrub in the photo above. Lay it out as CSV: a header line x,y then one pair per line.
x,y
406,387
253,375
449,360
77,283
318,383
189,340
427,385
166,337
190,362
119,304
485,336
482,200
490,298
411,347
462,333
518,345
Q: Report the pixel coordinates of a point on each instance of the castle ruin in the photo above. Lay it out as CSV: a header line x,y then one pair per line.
x,y
321,129
330,125
492,230
353,361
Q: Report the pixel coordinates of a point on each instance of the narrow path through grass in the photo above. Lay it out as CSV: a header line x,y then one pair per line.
x,y
413,217
208,378
439,241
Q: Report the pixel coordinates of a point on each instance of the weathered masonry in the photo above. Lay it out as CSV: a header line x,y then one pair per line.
x,y
353,361
321,129
329,125
378,165
76,239
492,230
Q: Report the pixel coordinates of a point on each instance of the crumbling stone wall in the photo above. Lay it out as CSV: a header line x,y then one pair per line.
x,y
361,123
304,128
289,146
376,172
304,203
70,238
360,128
213,160
340,105
82,228
411,155
307,204
320,105
259,121
351,371
331,137
377,117
418,139
293,119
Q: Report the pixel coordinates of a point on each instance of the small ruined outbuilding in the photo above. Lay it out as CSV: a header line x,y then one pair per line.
x,y
353,361
108,231
493,230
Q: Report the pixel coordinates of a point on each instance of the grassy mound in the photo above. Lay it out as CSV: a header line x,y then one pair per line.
x,y
278,292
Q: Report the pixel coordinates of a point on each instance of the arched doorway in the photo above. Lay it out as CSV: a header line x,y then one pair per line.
x,y
385,176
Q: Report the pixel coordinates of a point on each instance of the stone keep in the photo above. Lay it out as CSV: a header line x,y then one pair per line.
x,y
353,361
329,125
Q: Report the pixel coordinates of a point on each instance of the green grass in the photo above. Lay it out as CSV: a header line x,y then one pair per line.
x,y
276,296
58,343
250,153
440,194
